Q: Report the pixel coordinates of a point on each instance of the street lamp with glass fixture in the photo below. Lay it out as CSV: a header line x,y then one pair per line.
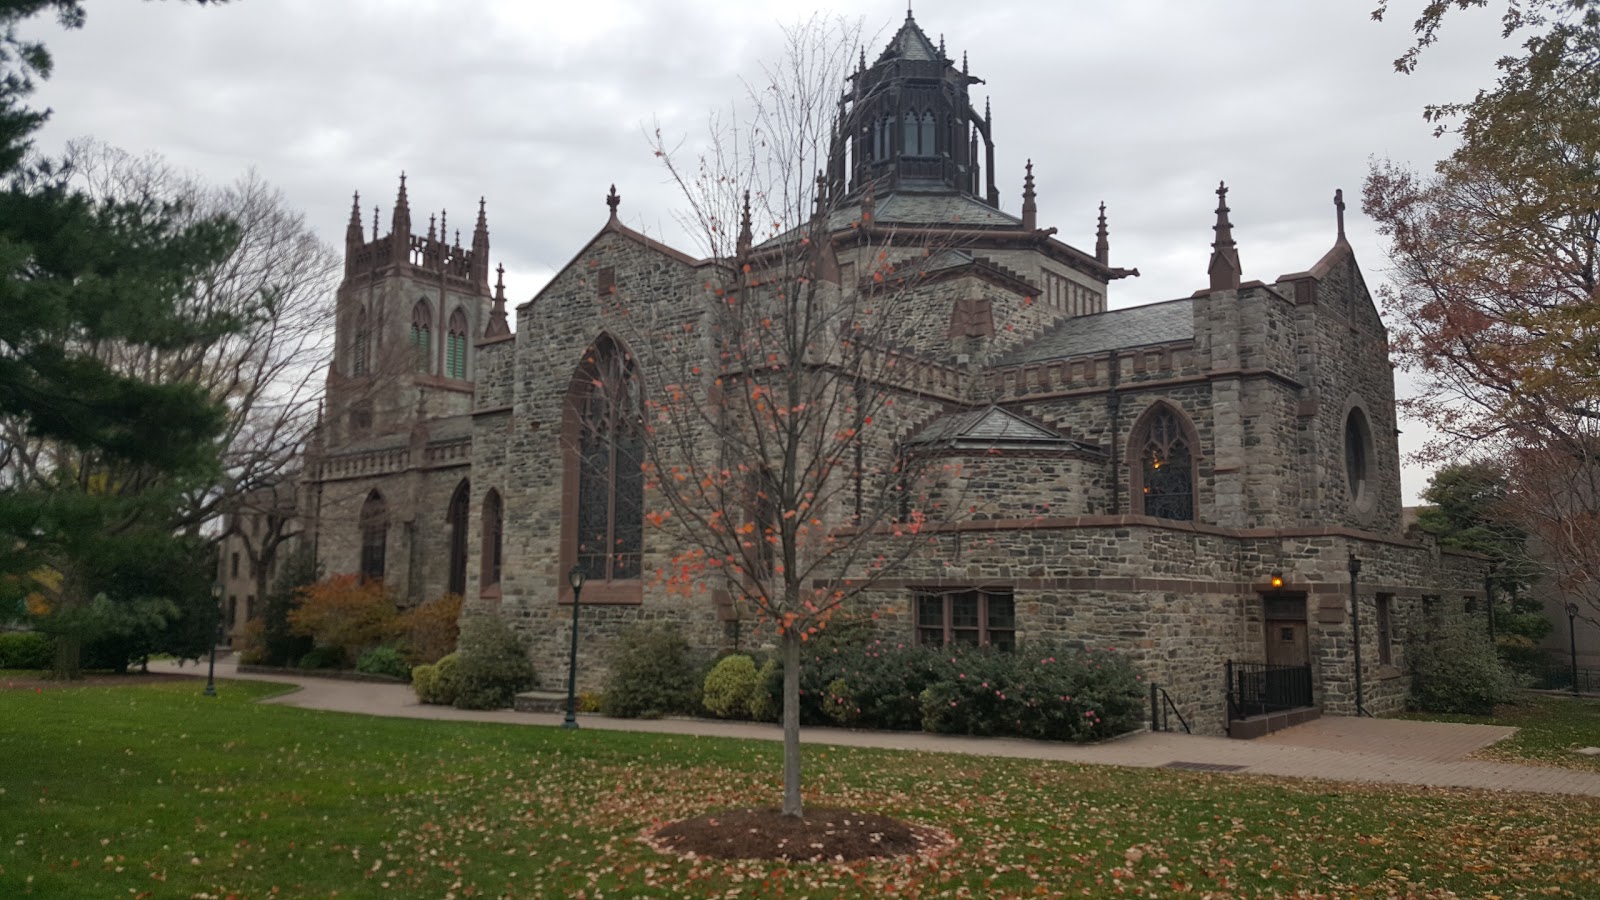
x,y
1572,636
211,673
575,579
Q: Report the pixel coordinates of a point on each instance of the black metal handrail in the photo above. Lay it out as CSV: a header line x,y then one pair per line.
x,y
1162,709
1559,676
1255,689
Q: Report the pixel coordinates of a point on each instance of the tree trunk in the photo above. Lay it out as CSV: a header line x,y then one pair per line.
x,y
791,724
71,600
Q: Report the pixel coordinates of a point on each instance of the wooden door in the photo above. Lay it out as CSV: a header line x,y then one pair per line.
x,y
1286,643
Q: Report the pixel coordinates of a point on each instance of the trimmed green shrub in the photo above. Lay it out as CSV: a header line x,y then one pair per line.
x,y
439,683
731,686
1036,691
766,704
323,658
653,673
494,664
425,682
1457,670
26,650
383,661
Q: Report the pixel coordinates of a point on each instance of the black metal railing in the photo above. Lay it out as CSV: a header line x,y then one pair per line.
x,y
1255,689
1562,677
1162,709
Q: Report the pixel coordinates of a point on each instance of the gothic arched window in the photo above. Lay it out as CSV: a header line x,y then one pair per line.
x,y
456,518
925,142
422,333
455,348
1163,472
606,452
908,135
374,536
361,338
492,541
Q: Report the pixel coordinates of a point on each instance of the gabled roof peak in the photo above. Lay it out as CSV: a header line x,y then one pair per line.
x,y
910,42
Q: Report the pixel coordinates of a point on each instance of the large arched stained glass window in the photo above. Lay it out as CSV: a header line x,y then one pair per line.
x,y
374,536
456,519
1165,482
455,348
610,450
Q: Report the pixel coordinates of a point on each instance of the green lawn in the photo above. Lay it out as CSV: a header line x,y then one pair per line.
x,y
156,791
1549,728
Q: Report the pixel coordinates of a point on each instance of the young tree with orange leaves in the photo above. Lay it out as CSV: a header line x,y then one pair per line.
x,y
772,414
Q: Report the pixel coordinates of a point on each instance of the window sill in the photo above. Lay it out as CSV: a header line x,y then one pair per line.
x,y
1389,672
492,592
612,593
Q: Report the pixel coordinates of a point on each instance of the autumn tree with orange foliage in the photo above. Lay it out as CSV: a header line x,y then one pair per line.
x,y
1495,268
770,414
345,612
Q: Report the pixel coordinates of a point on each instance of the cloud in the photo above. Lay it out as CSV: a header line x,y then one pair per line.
x,y
540,106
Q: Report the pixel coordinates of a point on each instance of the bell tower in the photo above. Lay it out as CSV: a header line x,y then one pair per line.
x,y
907,122
409,313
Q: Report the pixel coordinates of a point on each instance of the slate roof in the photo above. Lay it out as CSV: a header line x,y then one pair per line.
x,y
909,43
1136,326
914,207
992,427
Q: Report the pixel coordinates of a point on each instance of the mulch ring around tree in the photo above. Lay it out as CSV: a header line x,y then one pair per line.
x,y
92,679
823,834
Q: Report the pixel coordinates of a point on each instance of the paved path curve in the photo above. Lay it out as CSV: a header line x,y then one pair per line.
x,y
1339,749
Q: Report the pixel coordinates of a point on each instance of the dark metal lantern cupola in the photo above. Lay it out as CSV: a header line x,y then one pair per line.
x,y
907,123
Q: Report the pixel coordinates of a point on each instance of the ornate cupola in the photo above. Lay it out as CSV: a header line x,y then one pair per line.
x,y
907,123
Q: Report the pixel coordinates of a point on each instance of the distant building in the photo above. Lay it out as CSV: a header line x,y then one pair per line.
x,y
1145,473
262,530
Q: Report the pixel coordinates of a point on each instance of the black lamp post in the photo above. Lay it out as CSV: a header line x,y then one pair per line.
x,y
1355,624
1572,636
211,673
574,578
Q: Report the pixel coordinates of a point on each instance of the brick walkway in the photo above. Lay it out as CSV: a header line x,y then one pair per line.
x,y
1338,749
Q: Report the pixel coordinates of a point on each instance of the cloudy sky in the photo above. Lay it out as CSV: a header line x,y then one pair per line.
x,y
540,106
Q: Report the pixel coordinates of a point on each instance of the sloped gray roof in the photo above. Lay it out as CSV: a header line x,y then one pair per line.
x,y
1136,326
909,43
992,427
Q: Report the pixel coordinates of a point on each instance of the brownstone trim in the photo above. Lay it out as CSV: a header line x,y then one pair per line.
x,y
607,593
444,384
497,339
1335,592
495,411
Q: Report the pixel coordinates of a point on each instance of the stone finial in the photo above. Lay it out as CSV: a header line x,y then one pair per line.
x,y
861,66
988,113
374,221
1030,208
400,227
444,229
964,69
819,202
480,245
869,203
1102,246
498,326
1224,268
353,230
613,200
431,220
746,233
1338,207
458,238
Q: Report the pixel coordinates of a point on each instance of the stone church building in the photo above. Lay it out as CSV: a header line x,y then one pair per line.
x,y
1187,481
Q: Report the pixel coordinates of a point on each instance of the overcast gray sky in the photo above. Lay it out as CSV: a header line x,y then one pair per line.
x,y
540,106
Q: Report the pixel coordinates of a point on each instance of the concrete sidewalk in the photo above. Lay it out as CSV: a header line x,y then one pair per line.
x,y
1386,751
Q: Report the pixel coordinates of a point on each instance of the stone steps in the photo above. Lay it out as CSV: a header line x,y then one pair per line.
x,y
541,702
